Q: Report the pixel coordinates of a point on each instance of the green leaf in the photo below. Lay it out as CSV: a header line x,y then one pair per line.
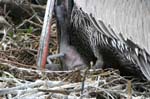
x,y
30,30
11,34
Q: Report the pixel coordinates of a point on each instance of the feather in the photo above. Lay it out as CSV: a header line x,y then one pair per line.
x,y
104,37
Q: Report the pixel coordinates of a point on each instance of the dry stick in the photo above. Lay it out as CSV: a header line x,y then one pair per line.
x,y
26,21
36,24
20,68
37,6
38,83
107,91
27,6
4,79
82,87
129,90
37,17
117,79
13,90
22,49
10,75
62,91
16,63
35,95
61,96
33,70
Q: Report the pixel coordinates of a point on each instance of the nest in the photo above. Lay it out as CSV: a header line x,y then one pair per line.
x,y
22,83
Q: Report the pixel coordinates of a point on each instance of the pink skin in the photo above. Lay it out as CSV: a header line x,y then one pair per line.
x,y
72,59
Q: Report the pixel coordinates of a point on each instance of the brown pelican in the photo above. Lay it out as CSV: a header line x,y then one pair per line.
x,y
114,33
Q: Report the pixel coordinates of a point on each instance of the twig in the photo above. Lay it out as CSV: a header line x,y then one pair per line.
x,y
25,21
129,90
38,83
4,79
82,86
37,17
36,24
16,63
61,91
13,90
